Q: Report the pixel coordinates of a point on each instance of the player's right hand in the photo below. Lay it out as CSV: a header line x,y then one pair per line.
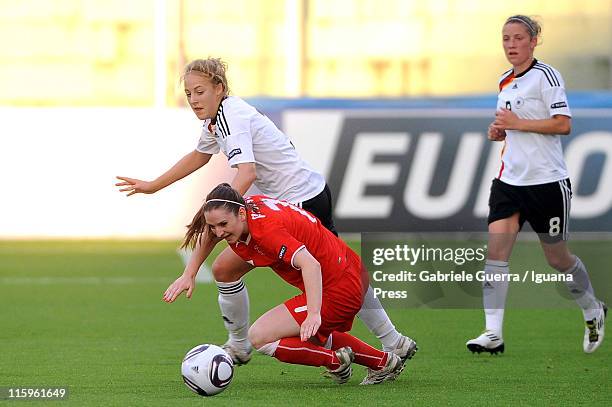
x,y
496,134
310,326
135,186
183,283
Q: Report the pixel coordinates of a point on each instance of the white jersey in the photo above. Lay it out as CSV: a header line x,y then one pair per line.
x,y
533,158
246,136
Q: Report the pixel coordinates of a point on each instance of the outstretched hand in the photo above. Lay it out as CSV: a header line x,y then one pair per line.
x,y
183,283
134,186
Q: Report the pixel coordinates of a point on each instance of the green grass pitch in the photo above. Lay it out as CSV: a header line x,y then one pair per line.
x,y
89,315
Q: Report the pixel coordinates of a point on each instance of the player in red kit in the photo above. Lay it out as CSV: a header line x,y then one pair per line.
x,y
310,328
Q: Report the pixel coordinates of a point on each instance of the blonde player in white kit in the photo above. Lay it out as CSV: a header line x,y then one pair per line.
x,y
264,156
532,184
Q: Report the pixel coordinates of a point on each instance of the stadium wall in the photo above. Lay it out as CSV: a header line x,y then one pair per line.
x,y
431,169
393,165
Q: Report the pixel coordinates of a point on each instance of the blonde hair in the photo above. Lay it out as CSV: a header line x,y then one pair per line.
x,y
533,26
213,68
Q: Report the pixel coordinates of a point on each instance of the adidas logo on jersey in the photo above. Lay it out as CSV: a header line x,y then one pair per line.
x,y
515,86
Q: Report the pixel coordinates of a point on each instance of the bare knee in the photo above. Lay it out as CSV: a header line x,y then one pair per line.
x,y
223,273
560,263
228,267
558,256
502,235
257,337
262,342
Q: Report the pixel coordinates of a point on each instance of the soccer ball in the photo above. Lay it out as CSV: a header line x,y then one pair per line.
x,y
207,370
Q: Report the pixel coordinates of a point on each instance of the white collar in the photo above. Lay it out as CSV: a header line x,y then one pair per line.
x,y
246,242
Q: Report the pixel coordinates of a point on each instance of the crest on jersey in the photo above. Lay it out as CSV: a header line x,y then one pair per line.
x,y
519,102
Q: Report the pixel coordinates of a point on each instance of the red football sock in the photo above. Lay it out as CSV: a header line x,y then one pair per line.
x,y
293,350
365,354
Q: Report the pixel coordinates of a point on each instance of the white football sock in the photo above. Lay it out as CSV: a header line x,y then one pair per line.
x,y
234,305
376,319
269,348
494,295
582,290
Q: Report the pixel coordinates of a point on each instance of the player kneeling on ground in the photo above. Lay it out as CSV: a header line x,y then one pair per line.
x,y
309,329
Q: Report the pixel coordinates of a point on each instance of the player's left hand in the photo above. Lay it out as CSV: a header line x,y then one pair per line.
x,y
506,120
310,326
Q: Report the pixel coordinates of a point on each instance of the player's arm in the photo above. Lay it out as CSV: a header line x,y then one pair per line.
x,y
185,166
186,282
201,251
313,285
244,178
508,120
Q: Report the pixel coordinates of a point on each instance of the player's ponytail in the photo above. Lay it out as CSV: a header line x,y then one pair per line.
x,y
195,229
223,195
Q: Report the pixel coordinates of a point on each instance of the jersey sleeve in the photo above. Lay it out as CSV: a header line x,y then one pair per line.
x,y
207,143
235,122
240,149
553,94
280,243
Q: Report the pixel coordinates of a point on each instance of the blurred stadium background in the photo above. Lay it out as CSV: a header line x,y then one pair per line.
x,y
116,53
91,89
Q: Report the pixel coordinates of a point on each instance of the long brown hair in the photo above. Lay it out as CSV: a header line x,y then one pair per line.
x,y
222,195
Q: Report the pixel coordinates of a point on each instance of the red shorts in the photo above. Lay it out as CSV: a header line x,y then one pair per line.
x,y
340,303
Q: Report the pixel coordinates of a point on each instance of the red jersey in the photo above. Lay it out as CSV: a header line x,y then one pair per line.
x,y
278,230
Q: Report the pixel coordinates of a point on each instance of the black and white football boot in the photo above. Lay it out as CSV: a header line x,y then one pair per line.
x,y
488,341
594,330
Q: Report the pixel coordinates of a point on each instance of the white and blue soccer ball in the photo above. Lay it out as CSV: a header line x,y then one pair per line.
x,y
207,370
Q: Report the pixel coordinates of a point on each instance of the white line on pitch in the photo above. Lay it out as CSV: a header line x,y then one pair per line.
x,y
82,280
